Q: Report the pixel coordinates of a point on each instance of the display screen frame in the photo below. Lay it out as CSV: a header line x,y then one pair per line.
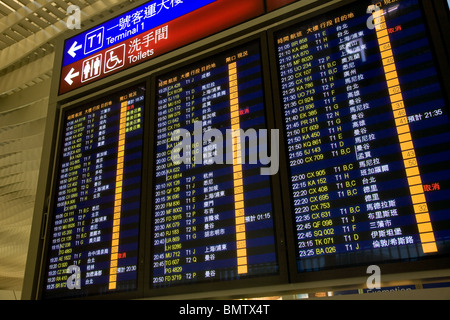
x,y
52,201
339,275
147,73
274,5
216,287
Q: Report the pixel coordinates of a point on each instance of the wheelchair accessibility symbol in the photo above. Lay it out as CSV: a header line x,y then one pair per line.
x,y
114,58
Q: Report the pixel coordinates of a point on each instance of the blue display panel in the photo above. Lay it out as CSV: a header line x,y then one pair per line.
x,y
367,137
212,221
94,234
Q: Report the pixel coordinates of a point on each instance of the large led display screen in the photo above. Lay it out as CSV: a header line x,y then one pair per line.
x,y
213,216
367,136
93,241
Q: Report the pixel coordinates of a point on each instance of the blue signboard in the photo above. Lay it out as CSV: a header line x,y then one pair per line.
x,y
126,26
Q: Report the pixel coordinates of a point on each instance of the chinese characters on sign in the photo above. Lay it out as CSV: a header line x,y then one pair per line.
x,y
146,32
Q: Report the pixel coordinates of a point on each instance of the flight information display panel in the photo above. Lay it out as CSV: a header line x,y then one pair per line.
x,y
93,242
367,137
213,215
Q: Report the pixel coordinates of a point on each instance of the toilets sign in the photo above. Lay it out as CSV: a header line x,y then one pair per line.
x,y
145,32
94,53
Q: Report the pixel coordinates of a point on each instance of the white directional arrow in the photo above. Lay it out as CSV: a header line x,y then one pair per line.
x,y
74,48
70,76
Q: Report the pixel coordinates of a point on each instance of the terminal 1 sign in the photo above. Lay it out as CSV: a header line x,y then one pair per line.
x,y
145,32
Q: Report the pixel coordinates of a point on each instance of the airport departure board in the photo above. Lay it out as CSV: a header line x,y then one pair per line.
x,y
317,144
93,246
367,135
213,217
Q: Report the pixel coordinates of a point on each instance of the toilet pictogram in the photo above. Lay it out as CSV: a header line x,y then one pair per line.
x,y
92,68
